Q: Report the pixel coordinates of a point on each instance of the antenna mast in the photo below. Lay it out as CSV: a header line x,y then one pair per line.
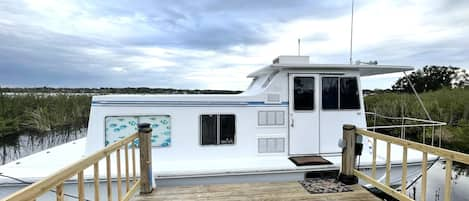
x,y
351,33
298,47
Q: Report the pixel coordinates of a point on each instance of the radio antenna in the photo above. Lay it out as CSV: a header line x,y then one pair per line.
x,y
299,43
351,34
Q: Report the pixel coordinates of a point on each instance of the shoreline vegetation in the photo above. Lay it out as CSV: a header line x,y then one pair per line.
x,y
444,105
44,110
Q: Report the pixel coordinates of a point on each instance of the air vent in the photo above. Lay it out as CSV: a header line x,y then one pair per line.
x,y
271,118
273,98
271,145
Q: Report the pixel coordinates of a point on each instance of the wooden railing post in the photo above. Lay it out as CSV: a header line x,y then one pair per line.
x,y
348,155
144,134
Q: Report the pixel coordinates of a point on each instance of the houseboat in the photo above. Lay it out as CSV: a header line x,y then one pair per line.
x,y
291,109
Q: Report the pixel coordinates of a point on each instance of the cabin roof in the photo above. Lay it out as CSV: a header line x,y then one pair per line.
x,y
364,69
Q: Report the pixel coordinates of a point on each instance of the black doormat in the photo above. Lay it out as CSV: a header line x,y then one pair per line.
x,y
319,185
309,160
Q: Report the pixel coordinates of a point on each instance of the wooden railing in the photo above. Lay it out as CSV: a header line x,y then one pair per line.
x,y
349,174
56,181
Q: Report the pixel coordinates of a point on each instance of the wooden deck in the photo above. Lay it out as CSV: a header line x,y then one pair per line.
x,y
251,191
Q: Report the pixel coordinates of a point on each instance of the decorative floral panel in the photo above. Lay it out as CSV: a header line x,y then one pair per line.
x,y
120,127
161,126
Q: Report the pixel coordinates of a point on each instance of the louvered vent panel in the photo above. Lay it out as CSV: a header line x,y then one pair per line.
x,y
273,98
271,145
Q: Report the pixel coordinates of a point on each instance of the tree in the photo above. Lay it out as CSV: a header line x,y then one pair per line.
x,y
432,78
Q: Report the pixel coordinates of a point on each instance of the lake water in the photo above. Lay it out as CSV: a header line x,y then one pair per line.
x,y
12,149
436,183
15,147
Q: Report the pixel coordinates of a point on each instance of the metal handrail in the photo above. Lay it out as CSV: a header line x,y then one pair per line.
x,y
424,123
432,122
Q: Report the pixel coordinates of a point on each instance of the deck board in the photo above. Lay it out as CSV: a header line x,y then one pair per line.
x,y
251,191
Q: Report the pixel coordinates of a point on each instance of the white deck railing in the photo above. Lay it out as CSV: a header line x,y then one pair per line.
x,y
409,122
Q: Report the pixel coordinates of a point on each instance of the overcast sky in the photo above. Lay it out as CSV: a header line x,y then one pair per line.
x,y
214,44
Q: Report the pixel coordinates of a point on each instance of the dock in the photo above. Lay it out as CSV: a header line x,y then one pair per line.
x,y
129,183
252,191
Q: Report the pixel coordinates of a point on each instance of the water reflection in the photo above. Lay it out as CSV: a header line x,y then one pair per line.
x,y
17,146
436,183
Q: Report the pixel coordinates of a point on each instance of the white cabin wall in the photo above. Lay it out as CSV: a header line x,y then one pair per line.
x,y
185,132
95,132
185,122
278,85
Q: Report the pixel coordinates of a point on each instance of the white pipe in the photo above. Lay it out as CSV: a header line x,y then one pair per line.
x,y
406,126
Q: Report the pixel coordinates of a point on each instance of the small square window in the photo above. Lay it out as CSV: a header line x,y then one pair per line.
x,y
217,129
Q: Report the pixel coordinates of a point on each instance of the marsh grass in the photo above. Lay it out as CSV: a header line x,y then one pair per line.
x,y
446,105
43,113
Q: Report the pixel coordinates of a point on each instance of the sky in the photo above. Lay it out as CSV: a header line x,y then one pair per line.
x,y
213,44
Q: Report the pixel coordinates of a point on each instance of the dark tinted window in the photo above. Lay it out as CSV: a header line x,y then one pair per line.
x,y
303,93
349,93
330,93
227,129
217,129
209,129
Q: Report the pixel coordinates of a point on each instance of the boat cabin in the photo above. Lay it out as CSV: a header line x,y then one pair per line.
x,y
292,107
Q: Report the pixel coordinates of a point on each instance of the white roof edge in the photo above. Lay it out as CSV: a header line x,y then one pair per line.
x,y
365,70
162,96
259,72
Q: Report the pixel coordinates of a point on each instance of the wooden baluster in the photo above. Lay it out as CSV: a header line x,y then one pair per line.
x,y
373,162
449,169
127,185
388,164
81,186
404,170
59,192
119,182
423,192
96,181
108,178
133,163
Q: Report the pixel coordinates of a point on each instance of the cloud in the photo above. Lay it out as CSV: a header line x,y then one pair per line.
x,y
212,44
